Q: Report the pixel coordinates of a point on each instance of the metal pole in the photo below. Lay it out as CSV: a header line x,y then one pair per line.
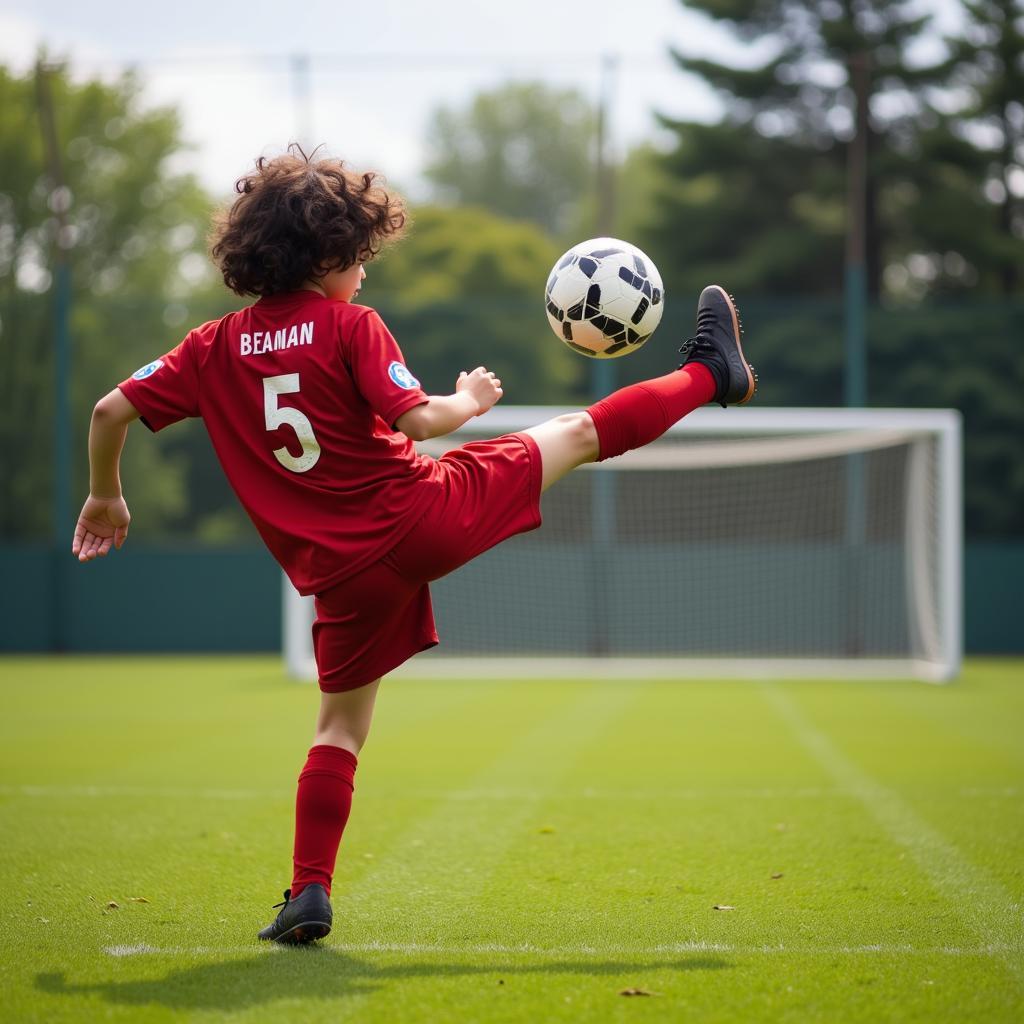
x,y
855,355
61,525
602,371
602,382
855,289
302,100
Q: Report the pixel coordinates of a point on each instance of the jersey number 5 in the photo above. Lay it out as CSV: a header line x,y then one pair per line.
x,y
288,384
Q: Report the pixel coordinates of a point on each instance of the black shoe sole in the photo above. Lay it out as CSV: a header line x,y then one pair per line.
x,y
302,934
748,369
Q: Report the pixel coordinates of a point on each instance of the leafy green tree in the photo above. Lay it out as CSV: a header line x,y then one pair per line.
x,y
523,150
135,235
467,288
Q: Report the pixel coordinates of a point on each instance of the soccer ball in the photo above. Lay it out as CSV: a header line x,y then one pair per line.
x,y
604,298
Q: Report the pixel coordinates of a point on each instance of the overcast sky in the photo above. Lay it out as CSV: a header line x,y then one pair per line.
x,y
376,70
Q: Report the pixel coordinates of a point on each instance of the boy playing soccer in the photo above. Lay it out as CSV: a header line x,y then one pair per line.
x,y
312,413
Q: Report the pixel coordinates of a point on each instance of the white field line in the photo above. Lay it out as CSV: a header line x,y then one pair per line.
x,y
980,901
149,792
465,795
488,794
526,949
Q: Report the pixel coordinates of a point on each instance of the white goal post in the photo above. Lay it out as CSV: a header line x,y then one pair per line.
x,y
763,543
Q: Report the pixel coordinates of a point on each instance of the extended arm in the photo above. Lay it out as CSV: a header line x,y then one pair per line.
x,y
475,393
103,521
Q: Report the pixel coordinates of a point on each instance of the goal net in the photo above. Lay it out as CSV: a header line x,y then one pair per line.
x,y
747,542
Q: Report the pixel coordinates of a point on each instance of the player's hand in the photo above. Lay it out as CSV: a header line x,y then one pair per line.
x,y
483,385
102,523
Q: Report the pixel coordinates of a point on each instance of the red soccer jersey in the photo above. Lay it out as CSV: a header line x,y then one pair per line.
x,y
299,395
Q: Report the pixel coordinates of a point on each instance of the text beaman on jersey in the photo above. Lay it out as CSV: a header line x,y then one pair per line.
x,y
258,342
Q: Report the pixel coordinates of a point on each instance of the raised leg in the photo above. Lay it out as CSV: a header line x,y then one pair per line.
x,y
630,418
714,369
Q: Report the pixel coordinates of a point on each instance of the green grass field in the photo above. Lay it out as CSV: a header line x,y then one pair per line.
x,y
518,851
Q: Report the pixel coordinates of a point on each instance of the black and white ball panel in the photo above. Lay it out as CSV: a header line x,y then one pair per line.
x,y
604,298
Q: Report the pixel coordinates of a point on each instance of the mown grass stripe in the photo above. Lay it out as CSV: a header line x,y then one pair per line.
x,y
980,902
440,863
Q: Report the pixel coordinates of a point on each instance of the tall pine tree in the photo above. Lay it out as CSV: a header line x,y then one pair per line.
x,y
987,62
758,202
760,197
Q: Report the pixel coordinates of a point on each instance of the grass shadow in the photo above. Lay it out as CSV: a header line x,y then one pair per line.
x,y
319,973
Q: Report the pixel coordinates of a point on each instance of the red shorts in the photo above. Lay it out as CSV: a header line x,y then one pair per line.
x,y
370,623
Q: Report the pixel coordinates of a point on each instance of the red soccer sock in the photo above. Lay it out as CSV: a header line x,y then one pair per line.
x,y
322,805
636,415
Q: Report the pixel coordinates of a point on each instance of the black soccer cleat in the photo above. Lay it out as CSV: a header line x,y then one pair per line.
x,y
717,346
302,920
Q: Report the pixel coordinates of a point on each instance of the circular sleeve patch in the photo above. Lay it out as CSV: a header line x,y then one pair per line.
x,y
402,377
148,370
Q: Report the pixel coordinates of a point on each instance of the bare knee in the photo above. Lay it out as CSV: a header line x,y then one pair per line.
x,y
345,717
580,434
339,734
565,442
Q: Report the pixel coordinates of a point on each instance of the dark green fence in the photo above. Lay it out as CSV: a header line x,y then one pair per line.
x,y
191,598
167,598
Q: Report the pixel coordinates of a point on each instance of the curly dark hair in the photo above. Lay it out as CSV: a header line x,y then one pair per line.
x,y
297,217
